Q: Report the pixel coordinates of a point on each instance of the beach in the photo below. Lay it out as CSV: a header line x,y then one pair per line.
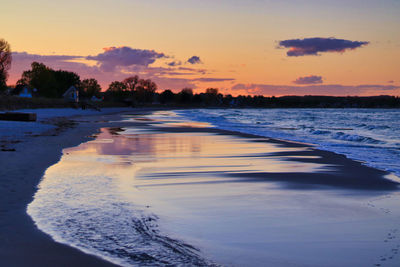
x,y
200,184
21,243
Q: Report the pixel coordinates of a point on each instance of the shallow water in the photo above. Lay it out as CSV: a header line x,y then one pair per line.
x,y
150,197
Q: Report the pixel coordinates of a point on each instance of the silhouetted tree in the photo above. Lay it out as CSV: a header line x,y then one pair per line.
x,y
212,97
90,87
167,97
117,91
40,77
131,83
186,95
64,80
49,83
212,91
145,90
5,63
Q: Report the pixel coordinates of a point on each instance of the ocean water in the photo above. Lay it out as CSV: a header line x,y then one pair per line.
x,y
152,195
368,135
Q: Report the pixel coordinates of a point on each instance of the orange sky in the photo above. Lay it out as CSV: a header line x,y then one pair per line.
x,y
237,42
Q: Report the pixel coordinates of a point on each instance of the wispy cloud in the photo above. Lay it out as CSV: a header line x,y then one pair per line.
x,y
315,46
193,70
24,56
174,63
213,79
312,79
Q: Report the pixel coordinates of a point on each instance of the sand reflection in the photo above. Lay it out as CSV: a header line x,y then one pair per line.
x,y
168,158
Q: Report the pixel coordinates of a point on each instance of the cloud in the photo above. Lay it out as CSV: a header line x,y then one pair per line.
x,y
315,46
166,77
192,70
123,56
23,56
194,60
213,79
312,79
174,63
22,61
330,89
174,84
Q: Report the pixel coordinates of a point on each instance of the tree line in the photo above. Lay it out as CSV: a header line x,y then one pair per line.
x,y
5,63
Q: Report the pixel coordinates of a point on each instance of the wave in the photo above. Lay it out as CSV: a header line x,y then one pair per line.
x,y
367,135
318,132
137,240
356,138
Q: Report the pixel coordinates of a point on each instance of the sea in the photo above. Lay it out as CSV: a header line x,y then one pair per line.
x,y
137,196
371,136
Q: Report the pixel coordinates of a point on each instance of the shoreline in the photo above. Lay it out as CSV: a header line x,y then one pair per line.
x,y
18,233
21,242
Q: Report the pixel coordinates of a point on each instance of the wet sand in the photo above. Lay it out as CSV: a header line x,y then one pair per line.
x,y
21,243
211,158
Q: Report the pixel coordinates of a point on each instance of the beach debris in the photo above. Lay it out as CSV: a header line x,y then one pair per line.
x,y
18,116
61,124
115,130
8,149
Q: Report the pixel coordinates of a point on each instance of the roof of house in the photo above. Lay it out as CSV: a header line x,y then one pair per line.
x,y
71,89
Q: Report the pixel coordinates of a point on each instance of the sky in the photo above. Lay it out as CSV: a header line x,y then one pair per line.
x,y
256,47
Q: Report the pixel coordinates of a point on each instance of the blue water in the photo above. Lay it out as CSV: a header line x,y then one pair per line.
x,y
368,135
148,197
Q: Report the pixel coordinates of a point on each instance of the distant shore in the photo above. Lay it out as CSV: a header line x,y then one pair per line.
x,y
202,100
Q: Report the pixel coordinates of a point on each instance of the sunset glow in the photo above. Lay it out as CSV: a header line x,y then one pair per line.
x,y
240,47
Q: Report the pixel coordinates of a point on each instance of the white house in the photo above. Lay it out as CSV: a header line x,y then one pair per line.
x,y
23,92
71,95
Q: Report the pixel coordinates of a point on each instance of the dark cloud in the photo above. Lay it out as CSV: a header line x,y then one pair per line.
x,y
113,57
331,89
391,81
194,60
314,46
174,63
213,79
312,79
